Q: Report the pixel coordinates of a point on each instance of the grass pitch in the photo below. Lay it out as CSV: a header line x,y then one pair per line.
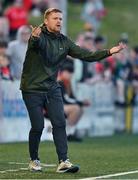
x,y
96,157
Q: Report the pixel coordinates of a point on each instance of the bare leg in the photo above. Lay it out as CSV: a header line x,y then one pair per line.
x,y
73,112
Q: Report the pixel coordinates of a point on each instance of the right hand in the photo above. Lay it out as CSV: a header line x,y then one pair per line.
x,y
35,31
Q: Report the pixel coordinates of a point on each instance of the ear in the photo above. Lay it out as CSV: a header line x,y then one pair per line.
x,y
45,21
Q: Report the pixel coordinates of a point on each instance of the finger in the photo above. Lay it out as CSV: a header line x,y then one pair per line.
x,y
37,36
31,27
39,31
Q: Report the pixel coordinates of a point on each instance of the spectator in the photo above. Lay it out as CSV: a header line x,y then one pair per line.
x,y
3,47
107,72
5,68
111,61
122,75
100,42
87,31
81,69
124,38
85,67
93,12
98,75
28,4
88,44
38,7
17,49
72,107
4,27
17,17
134,55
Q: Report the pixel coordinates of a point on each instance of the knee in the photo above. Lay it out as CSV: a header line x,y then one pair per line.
x,y
77,109
59,124
37,129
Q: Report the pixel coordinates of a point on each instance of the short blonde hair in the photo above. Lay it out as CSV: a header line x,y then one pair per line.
x,y
51,10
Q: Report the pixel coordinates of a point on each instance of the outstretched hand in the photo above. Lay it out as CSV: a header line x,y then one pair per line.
x,y
118,48
35,31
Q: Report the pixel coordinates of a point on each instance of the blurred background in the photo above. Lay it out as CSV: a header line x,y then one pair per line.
x,y
100,99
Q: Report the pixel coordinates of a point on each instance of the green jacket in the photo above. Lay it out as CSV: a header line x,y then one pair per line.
x,y
44,57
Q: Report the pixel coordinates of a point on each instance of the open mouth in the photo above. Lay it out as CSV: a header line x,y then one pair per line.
x,y
58,25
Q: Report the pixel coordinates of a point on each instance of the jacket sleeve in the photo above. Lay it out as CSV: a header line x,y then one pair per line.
x,y
34,42
86,55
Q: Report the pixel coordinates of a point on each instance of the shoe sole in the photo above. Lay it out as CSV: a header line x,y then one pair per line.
x,y
34,170
73,169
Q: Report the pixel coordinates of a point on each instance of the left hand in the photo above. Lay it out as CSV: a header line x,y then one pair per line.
x,y
118,48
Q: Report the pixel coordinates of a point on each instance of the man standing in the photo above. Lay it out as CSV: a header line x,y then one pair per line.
x,y
47,51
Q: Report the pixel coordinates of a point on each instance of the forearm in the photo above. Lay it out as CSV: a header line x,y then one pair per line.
x,y
95,56
86,55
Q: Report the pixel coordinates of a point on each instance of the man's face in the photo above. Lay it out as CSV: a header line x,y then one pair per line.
x,y
4,61
54,22
3,50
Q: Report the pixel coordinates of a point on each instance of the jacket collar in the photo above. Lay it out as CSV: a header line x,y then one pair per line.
x,y
52,35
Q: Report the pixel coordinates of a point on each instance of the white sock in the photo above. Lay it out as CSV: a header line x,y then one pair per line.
x,y
70,130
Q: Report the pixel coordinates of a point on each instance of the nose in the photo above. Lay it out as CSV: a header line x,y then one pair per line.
x,y
59,21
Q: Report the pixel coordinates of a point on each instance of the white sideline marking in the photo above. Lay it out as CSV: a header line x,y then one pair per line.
x,y
111,175
25,169
13,170
42,164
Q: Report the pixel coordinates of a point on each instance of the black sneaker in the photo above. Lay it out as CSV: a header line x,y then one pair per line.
x,y
74,138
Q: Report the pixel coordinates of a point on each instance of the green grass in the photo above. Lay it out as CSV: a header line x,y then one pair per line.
x,y
74,23
96,156
121,17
